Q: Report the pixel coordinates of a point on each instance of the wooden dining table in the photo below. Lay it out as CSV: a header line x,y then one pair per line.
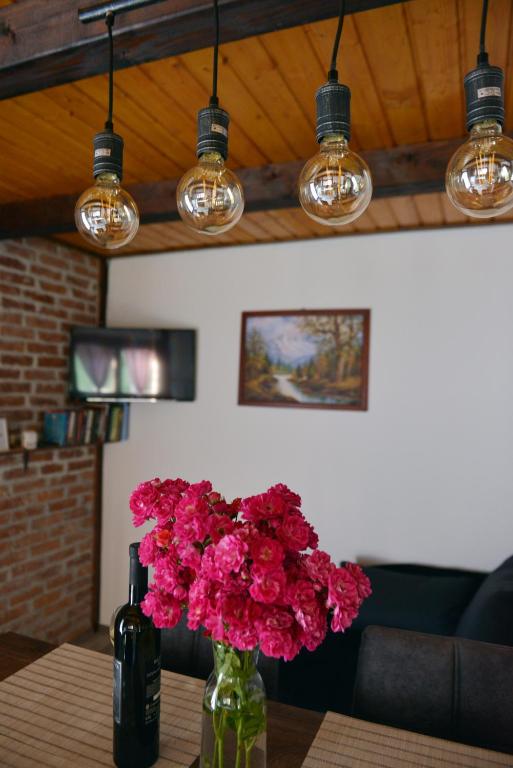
x,y
56,712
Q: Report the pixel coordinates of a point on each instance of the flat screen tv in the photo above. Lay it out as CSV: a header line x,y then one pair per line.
x,y
110,364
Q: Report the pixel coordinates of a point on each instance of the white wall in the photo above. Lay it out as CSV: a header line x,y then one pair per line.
x,y
425,475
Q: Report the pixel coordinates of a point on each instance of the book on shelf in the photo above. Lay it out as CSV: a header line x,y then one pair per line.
x,y
86,426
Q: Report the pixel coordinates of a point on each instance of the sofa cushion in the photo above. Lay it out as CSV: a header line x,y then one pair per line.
x,y
489,615
418,601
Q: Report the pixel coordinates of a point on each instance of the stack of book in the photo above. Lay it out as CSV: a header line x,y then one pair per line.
x,y
85,426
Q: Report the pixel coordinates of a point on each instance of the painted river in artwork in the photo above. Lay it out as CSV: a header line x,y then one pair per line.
x,y
287,388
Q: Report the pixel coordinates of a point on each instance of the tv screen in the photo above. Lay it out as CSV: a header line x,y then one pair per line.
x,y
132,364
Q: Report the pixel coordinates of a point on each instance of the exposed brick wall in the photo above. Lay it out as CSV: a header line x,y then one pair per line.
x,y
44,289
47,512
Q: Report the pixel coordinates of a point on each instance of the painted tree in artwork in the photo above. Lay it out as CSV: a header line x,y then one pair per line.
x,y
340,340
257,359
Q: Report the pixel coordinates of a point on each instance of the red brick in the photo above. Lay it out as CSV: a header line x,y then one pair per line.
x,y
22,360
52,362
16,278
10,263
52,287
40,322
55,337
18,333
9,373
36,269
37,375
42,348
54,261
51,469
14,386
42,298
26,306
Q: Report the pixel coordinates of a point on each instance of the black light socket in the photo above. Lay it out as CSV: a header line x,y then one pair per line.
x,y
484,94
108,154
213,131
333,101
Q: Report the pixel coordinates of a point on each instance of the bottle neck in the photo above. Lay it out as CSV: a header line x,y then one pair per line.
x,y
138,581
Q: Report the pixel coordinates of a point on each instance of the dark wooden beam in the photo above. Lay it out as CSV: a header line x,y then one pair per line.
x,y
43,43
405,170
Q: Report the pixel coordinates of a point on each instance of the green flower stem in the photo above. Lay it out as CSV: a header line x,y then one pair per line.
x,y
235,706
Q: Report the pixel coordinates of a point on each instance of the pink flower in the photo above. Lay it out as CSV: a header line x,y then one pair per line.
x,y
164,609
189,556
267,553
144,500
230,553
191,518
219,525
319,566
279,643
288,496
148,549
343,618
264,507
294,532
267,586
363,585
342,589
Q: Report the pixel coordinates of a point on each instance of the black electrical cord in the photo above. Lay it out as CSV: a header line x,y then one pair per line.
x,y
109,21
214,101
483,56
333,73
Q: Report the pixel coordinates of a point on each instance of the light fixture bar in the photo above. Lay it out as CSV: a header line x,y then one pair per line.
x,y
98,12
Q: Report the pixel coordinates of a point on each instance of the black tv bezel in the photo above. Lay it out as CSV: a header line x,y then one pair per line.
x,y
80,397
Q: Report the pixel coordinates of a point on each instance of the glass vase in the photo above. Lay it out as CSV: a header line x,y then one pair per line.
x,y
234,712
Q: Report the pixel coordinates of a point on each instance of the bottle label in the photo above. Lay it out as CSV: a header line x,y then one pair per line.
x,y
117,690
152,697
216,128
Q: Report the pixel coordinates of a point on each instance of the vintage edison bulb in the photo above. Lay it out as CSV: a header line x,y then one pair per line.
x,y
105,214
210,197
335,186
479,178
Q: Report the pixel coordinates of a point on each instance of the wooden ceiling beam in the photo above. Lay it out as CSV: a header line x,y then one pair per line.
x,y
405,170
43,44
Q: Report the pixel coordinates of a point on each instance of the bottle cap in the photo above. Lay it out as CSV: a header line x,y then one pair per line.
x,y
484,94
333,101
108,154
213,131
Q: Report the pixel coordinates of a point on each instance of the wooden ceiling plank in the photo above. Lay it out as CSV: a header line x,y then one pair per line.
x,y
405,211
497,32
434,34
52,46
451,214
160,146
383,215
385,40
77,118
178,83
302,71
236,98
262,77
429,209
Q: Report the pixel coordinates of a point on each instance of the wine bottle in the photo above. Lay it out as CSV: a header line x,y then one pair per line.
x,y
136,702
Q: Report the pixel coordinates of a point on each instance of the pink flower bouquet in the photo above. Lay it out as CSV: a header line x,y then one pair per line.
x,y
242,569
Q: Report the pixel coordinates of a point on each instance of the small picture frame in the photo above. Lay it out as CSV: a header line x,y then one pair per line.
x,y
4,436
307,358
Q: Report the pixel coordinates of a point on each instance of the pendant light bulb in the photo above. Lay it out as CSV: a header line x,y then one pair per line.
x,y
335,186
210,197
106,214
479,177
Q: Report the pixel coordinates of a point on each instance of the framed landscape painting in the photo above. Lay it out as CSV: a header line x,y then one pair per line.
x,y
309,358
